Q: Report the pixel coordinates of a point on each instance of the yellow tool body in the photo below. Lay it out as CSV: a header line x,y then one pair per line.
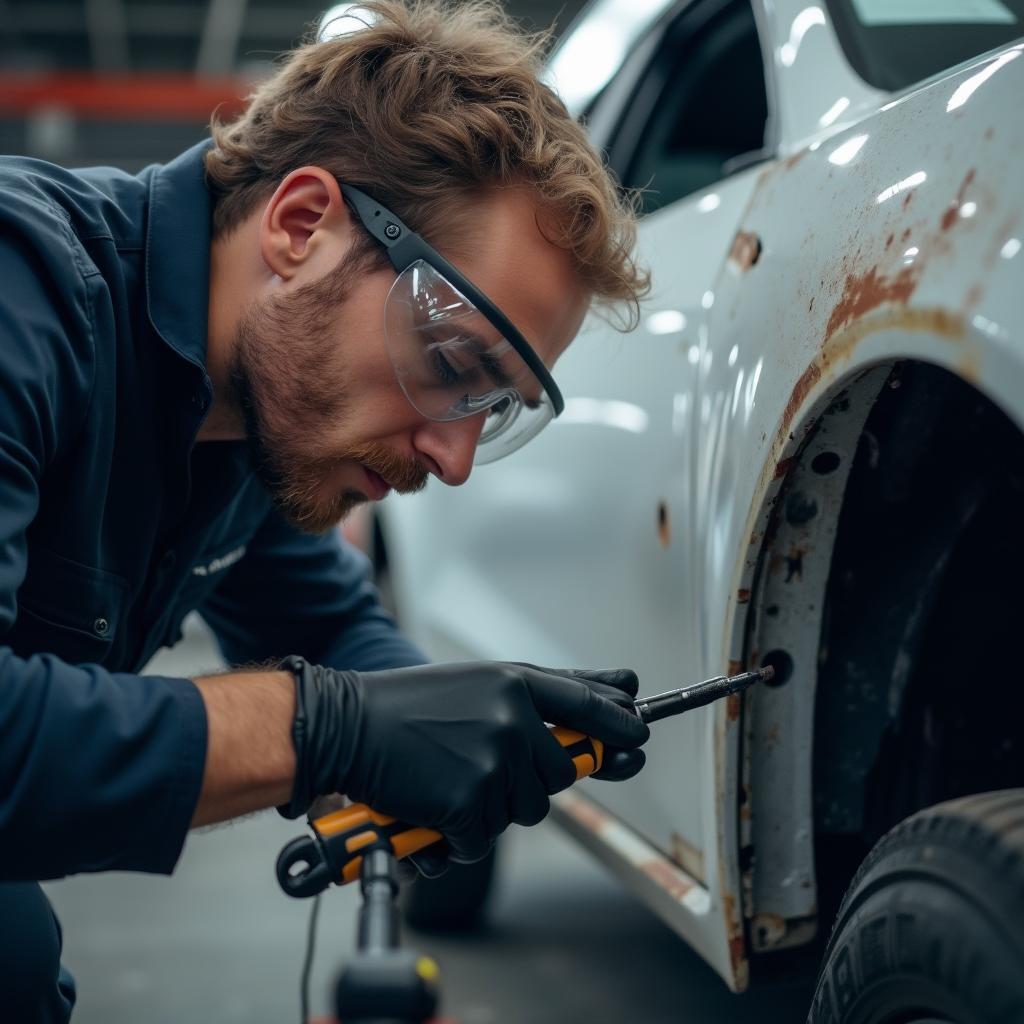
x,y
333,852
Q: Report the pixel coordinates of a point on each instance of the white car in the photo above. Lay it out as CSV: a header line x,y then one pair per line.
x,y
809,455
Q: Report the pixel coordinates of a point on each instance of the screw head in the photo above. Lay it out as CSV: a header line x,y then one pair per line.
x,y
100,626
392,231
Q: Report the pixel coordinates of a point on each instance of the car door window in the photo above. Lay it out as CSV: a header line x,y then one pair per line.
x,y
699,111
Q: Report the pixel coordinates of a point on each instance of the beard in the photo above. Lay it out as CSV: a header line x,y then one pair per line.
x,y
290,404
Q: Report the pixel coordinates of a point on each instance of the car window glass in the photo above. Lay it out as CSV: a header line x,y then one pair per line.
x,y
701,104
894,43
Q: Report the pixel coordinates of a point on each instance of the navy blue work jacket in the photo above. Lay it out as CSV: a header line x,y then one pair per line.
x,y
114,524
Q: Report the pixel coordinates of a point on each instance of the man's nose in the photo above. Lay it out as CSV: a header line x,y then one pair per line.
x,y
451,446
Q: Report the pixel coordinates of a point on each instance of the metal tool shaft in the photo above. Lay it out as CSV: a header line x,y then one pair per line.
x,y
675,702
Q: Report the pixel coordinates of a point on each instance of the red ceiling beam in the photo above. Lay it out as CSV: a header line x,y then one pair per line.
x,y
158,97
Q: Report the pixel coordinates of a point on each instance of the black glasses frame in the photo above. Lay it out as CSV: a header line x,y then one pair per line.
x,y
404,247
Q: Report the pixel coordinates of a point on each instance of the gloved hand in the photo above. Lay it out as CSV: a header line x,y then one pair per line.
x,y
459,748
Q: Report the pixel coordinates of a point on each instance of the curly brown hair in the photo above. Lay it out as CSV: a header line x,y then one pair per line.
x,y
431,102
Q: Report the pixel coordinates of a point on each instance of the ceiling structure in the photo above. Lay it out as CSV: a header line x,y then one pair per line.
x,y
132,81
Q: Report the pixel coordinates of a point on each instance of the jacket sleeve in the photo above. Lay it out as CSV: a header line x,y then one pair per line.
x,y
97,770
295,593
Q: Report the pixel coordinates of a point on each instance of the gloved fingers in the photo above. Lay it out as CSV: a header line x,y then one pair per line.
x,y
576,703
528,802
552,764
619,765
431,862
622,679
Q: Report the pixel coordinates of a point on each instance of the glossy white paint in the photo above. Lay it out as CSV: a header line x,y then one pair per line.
x,y
893,229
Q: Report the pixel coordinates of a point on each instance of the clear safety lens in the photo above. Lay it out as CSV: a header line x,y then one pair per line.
x,y
452,362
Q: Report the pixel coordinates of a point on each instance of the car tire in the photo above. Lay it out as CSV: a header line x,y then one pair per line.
x,y
456,901
930,928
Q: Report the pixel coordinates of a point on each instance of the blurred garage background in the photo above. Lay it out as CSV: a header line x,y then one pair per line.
x,y
130,82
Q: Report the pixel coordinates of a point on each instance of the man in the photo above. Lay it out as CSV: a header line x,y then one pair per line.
x,y
362,282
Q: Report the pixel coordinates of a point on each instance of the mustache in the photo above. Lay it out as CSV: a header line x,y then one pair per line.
x,y
404,474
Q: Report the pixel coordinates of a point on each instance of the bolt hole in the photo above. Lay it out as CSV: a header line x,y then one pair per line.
x,y
772,610
783,665
800,509
825,463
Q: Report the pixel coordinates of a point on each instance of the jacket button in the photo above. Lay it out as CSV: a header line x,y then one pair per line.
x,y
100,627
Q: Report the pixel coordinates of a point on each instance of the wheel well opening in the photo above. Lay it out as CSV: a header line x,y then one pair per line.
x,y
917,697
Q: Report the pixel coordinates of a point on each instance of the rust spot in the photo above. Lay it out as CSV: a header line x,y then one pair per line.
x,y
775,563
865,292
770,929
952,211
735,668
746,249
791,161
905,235
665,877
907,198
973,296
795,564
733,706
771,738
664,528
586,814
935,321
782,468
687,856
807,380
733,928
888,241
742,596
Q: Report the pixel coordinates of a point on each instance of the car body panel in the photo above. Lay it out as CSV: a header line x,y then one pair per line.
x,y
633,531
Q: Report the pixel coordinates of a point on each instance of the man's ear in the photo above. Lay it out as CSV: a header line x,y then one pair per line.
x,y
306,220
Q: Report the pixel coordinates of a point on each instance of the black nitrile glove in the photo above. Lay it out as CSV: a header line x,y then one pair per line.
x,y
459,748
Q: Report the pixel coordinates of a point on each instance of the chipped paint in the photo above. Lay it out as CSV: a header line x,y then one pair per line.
x,y
664,526
687,856
666,878
952,212
745,251
742,595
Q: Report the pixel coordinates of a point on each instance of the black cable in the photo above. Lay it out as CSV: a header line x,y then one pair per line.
x,y
307,964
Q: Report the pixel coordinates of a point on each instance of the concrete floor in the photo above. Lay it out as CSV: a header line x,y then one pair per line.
x,y
219,942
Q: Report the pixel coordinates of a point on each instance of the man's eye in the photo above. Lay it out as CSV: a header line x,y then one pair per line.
x,y
446,373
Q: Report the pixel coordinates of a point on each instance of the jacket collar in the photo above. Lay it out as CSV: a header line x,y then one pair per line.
x,y
178,253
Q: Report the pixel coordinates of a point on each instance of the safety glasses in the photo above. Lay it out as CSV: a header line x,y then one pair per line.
x,y
455,354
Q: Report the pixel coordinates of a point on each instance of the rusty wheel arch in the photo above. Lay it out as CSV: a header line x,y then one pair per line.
x,y
792,869
920,609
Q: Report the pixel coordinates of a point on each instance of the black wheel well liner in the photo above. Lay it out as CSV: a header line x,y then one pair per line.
x,y
914,700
